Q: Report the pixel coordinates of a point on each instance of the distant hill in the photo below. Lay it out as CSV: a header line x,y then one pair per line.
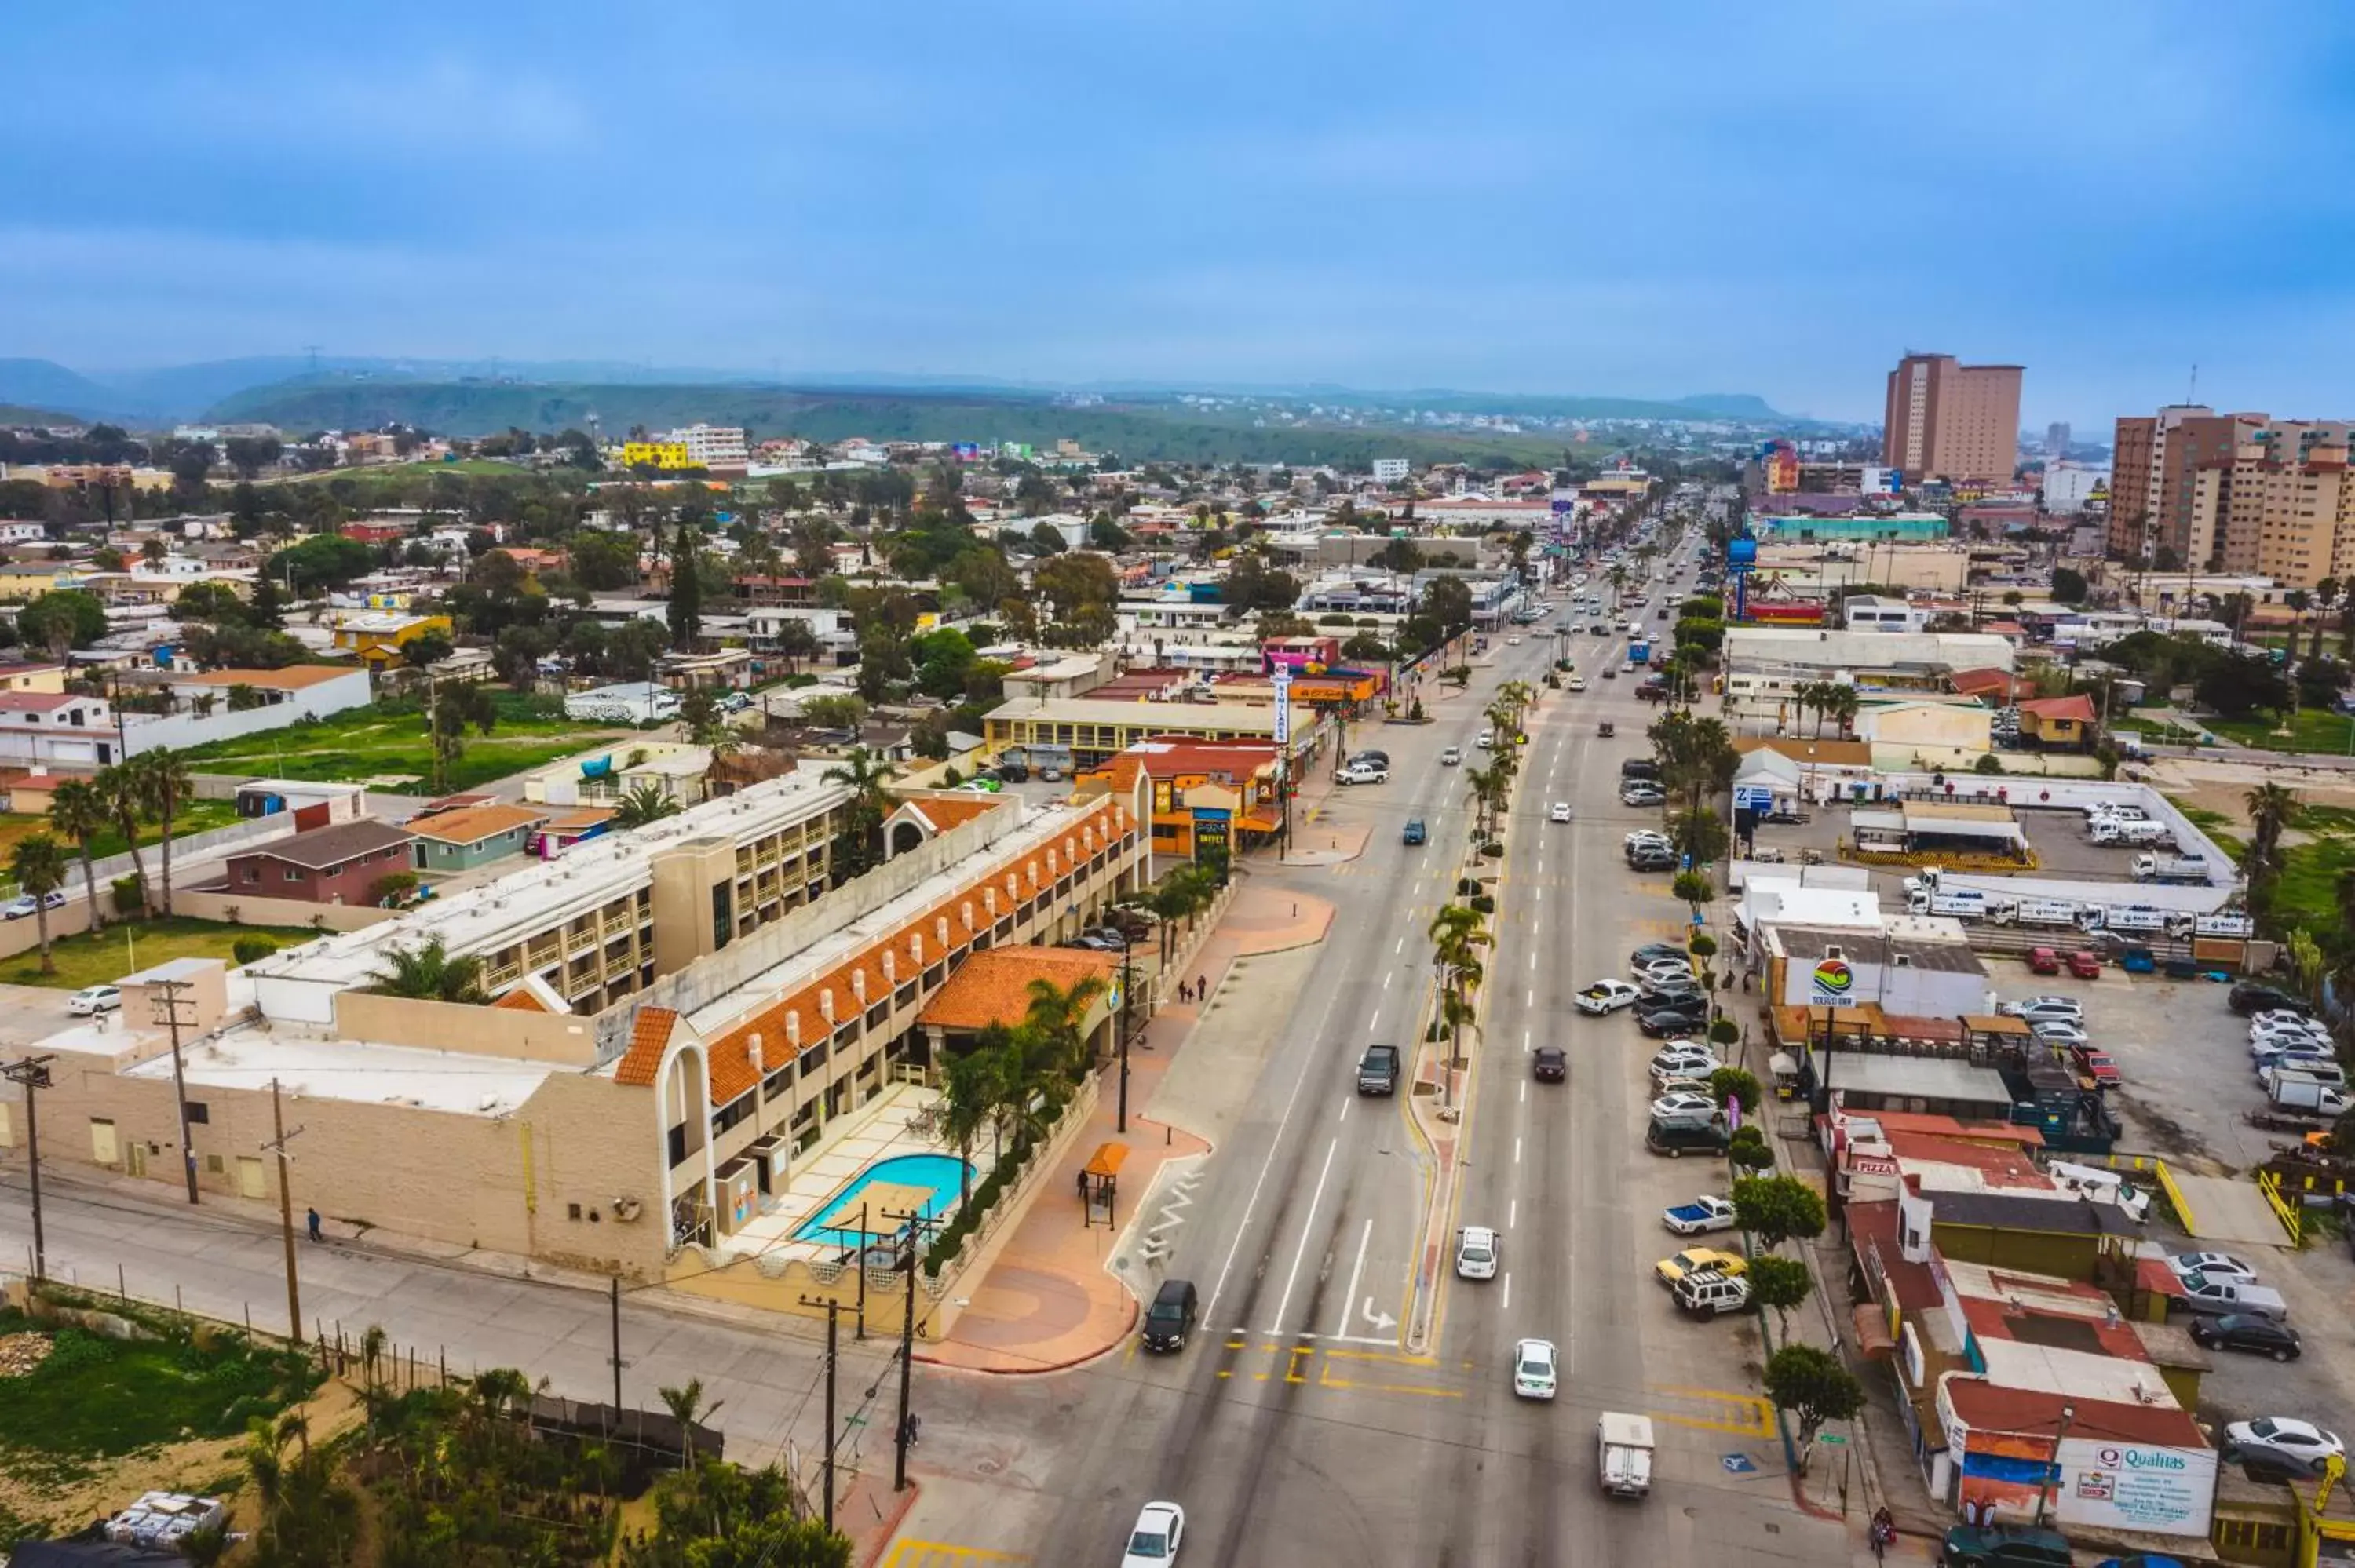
x,y
1164,431
14,414
1730,406
45,383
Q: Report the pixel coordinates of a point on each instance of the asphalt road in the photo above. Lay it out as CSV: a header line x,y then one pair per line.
x,y
1298,1428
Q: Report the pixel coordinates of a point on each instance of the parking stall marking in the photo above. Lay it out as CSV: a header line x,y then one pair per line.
x,y
941,1554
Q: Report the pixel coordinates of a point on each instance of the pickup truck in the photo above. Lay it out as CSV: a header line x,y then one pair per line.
x,y
1622,1453
2211,1295
1378,1070
1708,1213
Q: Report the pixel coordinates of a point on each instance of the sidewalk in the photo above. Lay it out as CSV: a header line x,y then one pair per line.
x,y
1051,1299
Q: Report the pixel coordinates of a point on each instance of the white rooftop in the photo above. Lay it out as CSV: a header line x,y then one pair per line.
x,y
2011,1363
355,1070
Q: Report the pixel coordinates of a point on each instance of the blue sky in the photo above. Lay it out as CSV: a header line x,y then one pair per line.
x,y
1641,201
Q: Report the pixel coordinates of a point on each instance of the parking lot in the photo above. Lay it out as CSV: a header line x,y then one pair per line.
x,y
2058,837
2187,1083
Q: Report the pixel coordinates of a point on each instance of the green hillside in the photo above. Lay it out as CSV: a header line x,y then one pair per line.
x,y
12,414
1138,430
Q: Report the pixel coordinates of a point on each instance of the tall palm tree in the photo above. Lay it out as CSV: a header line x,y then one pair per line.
x,y
79,812
2271,808
164,781
126,803
1845,705
1057,1012
39,864
1457,936
685,1404
870,802
428,972
2325,594
968,1092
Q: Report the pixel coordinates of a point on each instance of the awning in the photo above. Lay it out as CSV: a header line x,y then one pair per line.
x,y
1872,1330
1106,1162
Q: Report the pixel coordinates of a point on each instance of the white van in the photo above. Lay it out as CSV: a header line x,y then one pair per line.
x,y
2102,1186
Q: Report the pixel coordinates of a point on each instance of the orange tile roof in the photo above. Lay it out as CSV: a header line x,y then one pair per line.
x,y
944,814
521,999
994,987
582,816
473,824
649,1036
799,1019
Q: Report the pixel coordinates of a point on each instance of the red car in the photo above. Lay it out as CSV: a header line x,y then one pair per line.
x,y
2043,960
2098,1066
2084,964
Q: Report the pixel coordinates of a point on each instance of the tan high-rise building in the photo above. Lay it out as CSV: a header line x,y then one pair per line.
x,y
1952,421
2192,488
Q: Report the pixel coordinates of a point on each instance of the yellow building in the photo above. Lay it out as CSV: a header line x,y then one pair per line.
x,y
660,454
375,637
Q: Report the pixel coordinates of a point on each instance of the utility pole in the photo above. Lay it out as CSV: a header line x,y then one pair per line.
x,y
615,1297
1127,983
277,1145
32,1074
917,1224
166,1000
832,1312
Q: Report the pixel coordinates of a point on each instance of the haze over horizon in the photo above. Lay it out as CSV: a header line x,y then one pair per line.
x,y
1374,197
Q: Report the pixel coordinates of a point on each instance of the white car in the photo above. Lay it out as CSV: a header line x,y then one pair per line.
x,y
2284,1442
1708,1212
1575,683
2288,1029
1662,969
1559,812
92,999
1606,996
1363,773
1475,1253
1485,740
1698,1061
1451,758
1514,641
2055,1009
1682,1104
1649,836
17,909
2276,1016
1160,1529
1534,1369
2215,1264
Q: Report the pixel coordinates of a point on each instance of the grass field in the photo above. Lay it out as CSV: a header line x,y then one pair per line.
x,y
374,742
2312,729
101,958
194,817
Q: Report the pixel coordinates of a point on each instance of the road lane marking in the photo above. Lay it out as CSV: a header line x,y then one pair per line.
x,y
1376,1018
1517,1150
1401,946
1345,1104
940,1554
1524,1091
1512,1212
1307,1226
1509,1292
1349,1297
1532,1001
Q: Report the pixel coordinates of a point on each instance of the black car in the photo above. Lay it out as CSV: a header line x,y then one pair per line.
x,y
1671,990
2247,1331
2003,1546
1379,758
2250,997
1656,952
1648,859
1550,1064
1664,1021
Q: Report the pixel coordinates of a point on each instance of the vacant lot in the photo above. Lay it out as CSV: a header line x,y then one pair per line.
x,y
387,747
193,817
99,958
98,1420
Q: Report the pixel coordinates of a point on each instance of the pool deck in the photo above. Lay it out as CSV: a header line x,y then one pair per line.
x,y
874,1132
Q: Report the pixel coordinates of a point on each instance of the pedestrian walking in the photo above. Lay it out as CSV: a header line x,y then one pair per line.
x,y
1202,986
311,1218
1885,1532
909,1432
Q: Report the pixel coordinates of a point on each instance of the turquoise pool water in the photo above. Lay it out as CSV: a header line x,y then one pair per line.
x,y
940,1174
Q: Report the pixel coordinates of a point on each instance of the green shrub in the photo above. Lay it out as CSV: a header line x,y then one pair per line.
x,y
1724,1031
1492,850
130,895
1484,905
252,949
1702,945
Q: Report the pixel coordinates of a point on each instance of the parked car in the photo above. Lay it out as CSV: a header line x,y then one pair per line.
x,y
1697,1060
2058,1008
1606,996
1154,1542
1651,857
2249,997
1379,758
1535,1368
2246,1331
18,907
2220,1264
1704,1213
2052,1031
1694,1259
2283,1442
91,1000
2004,1546
1550,1064
2044,960
2086,964
1652,951
1665,1021
1683,1106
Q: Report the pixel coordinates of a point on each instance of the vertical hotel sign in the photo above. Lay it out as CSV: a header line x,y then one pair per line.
x,y
1283,675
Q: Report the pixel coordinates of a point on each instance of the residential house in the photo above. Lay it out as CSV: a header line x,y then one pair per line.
x,y
452,841
344,862
2065,722
377,636
49,730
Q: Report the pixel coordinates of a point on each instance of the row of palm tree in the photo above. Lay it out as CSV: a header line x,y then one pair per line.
x,y
1014,1080
1459,937
1183,894
1834,700
153,785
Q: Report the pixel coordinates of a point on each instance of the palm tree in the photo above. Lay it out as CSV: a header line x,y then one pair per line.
x,y
1458,935
164,781
870,802
39,864
643,803
1487,790
1057,1012
1846,704
2271,808
126,803
968,1093
429,973
2325,594
685,1404
79,812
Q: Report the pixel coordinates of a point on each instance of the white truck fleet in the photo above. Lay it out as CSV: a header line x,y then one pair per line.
x,y
1928,894
1622,1453
2183,868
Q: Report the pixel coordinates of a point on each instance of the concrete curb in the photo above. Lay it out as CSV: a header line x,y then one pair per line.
x,y
1044,1367
892,1522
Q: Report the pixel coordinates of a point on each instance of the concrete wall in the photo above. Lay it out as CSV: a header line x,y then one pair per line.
x,y
245,908
461,1026
182,730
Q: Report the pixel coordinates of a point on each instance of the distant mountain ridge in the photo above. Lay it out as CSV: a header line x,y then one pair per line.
x,y
236,387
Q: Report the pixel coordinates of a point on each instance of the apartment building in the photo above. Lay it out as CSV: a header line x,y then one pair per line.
x,y
2242,492
712,446
637,1133
1950,420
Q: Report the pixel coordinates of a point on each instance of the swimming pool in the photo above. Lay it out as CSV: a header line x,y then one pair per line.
x,y
940,1176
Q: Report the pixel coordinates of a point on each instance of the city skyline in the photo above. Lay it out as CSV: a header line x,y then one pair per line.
x,y
1069,198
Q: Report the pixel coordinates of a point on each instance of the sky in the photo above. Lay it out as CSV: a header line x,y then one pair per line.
x,y
1644,201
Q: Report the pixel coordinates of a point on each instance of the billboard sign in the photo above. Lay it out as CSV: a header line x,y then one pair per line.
x,y
1282,681
1831,984
968,451
1753,797
2136,1486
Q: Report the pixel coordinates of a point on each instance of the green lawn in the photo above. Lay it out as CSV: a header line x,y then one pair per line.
x,y
379,743
194,817
101,958
96,1399
2312,729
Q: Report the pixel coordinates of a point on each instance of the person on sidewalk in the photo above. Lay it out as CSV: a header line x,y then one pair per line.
x,y
313,1218
1885,1532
